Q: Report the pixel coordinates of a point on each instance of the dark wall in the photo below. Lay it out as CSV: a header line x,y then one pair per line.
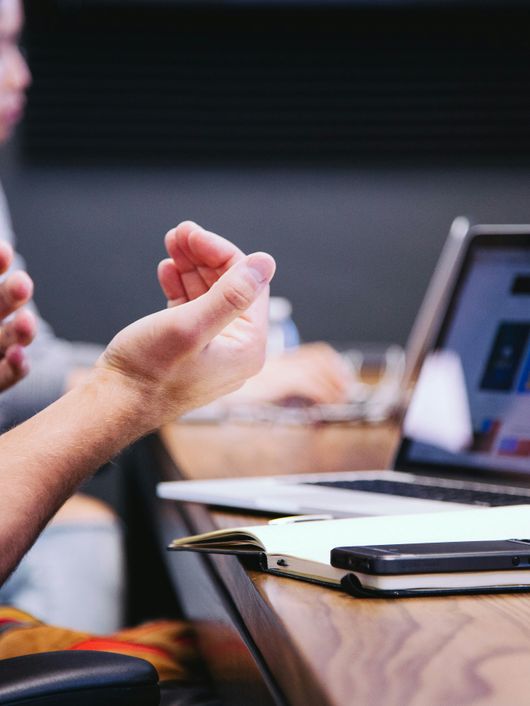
x,y
356,226
354,247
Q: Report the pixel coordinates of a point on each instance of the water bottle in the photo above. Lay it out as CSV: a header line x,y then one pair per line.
x,y
283,333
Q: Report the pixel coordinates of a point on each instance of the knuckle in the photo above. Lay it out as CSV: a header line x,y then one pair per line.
x,y
188,337
238,296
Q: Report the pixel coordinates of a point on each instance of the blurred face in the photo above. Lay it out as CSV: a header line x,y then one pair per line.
x,y
14,73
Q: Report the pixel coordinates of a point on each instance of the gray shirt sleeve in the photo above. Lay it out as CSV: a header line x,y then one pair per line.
x,y
51,358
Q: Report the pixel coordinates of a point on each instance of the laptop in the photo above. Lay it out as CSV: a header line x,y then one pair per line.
x,y
482,347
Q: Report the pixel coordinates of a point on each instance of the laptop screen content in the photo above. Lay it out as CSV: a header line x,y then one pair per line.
x,y
487,331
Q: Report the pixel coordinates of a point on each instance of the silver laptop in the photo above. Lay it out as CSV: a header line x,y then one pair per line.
x,y
466,435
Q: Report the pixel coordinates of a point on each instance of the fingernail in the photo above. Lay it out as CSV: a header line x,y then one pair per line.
x,y
261,266
20,285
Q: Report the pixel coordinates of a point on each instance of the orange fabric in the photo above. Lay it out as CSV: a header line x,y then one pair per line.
x,y
167,644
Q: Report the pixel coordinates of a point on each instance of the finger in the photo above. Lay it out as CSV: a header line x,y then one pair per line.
x,y
171,283
174,245
194,284
316,385
212,250
191,269
236,293
200,258
334,385
6,256
324,358
20,330
209,275
331,391
312,393
14,292
13,367
189,244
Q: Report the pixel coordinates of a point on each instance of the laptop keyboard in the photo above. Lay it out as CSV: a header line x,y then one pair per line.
x,y
468,496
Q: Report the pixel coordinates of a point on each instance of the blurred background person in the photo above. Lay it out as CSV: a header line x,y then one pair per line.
x,y
55,363
75,574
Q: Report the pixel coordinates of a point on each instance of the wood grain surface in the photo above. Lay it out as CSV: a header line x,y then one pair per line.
x,y
325,648
222,450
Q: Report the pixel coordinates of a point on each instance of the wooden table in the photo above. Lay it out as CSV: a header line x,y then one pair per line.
x,y
271,640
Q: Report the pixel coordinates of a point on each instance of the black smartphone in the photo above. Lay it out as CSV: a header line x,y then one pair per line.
x,y
441,557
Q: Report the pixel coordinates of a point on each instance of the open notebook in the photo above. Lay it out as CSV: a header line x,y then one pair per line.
x,y
302,549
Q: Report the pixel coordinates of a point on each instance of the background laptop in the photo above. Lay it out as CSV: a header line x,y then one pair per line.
x,y
485,328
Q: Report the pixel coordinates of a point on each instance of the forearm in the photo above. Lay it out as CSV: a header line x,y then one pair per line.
x,y
45,459
152,371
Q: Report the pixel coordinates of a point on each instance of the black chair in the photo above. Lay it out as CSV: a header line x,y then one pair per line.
x,y
78,678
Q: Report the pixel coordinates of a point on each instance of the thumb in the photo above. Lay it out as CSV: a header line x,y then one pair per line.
x,y
231,295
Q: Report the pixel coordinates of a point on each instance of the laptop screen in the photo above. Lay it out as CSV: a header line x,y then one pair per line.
x,y
487,331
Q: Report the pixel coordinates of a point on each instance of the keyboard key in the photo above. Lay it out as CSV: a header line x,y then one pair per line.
x,y
467,496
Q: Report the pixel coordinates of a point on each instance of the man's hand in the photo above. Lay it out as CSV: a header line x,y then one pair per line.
x,y
210,340
313,373
15,291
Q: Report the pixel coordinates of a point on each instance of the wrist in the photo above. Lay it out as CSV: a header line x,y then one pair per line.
x,y
146,402
127,404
